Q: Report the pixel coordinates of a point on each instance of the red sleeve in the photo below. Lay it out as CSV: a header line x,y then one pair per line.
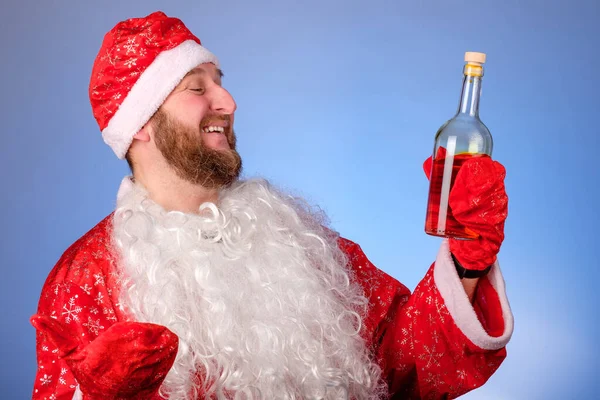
x,y
433,343
75,293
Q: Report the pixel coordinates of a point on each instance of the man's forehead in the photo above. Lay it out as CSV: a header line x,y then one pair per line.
x,y
205,69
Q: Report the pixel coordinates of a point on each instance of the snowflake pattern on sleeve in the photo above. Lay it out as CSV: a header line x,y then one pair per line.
x,y
76,293
422,352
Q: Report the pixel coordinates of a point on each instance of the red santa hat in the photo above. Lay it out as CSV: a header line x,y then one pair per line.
x,y
140,62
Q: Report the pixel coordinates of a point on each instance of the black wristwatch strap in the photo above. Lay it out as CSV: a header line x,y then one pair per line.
x,y
469,273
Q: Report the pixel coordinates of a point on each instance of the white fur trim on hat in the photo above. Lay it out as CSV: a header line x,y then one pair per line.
x,y
460,308
150,91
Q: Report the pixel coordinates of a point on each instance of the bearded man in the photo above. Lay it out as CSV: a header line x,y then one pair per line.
x,y
204,285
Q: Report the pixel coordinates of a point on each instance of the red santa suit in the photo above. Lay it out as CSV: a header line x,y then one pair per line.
x,y
256,298
432,343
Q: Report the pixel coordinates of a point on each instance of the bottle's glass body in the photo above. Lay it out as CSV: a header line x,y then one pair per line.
x,y
459,139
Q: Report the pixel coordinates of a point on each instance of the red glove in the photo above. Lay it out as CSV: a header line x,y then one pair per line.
x,y
128,361
478,201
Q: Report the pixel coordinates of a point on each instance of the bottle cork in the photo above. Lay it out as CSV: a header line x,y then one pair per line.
x,y
473,57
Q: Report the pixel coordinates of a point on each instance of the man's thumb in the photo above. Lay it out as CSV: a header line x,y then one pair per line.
x,y
57,332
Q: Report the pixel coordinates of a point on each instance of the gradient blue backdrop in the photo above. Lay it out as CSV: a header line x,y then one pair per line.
x,y
338,101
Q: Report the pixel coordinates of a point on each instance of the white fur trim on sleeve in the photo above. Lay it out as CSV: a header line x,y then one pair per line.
x,y
150,91
460,308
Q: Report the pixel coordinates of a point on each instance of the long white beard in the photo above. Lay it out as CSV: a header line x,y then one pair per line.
x,y
257,291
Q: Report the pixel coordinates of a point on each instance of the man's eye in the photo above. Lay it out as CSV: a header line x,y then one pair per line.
x,y
200,90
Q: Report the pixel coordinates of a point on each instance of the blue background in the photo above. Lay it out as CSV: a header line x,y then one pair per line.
x,y
338,101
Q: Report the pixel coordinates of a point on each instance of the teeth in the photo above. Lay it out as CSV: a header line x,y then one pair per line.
x,y
213,129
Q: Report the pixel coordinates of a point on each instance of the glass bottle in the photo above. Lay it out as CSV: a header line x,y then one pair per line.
x,y
459,139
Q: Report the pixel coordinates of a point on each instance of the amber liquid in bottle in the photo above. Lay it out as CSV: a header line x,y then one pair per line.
x,y
439,214
458,140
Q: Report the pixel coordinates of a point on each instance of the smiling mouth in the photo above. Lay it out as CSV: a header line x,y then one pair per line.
x,y
213,128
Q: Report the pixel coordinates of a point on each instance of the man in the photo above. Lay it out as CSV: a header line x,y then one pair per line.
x,y
202,285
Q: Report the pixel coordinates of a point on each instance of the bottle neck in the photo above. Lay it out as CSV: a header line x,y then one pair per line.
x,y
471,91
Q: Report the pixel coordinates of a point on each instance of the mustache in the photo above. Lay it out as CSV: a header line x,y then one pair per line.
x,y
216,117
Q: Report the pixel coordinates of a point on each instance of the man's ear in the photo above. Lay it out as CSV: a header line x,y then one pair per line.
x,y
144,134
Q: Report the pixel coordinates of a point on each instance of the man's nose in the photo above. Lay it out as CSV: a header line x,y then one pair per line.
x,y
222,101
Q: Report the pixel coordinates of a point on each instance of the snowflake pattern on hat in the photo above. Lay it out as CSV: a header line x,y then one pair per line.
x,y
140,62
